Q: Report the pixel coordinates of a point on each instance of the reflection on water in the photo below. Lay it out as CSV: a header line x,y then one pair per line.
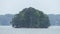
x,y
10,30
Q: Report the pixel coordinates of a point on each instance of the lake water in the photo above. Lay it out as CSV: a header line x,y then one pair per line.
x,y
10,30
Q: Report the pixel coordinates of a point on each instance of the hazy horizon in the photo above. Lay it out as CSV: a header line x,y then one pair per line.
x,y
14,6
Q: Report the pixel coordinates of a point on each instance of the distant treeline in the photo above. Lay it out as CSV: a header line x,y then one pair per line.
x,y
6,19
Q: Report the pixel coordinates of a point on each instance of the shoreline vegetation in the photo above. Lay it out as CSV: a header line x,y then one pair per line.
x,y
30,18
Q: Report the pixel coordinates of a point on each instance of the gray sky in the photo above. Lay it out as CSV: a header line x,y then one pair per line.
x,y
14,6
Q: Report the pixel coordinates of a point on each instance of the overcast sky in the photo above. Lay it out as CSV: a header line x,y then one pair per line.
x,y
14,6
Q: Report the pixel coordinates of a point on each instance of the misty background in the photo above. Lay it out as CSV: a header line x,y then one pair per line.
x,y
8,8
14,6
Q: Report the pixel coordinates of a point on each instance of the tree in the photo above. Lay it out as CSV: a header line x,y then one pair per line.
x,y
30,18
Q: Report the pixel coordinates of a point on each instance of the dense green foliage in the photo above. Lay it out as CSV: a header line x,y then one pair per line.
x,y
30,18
